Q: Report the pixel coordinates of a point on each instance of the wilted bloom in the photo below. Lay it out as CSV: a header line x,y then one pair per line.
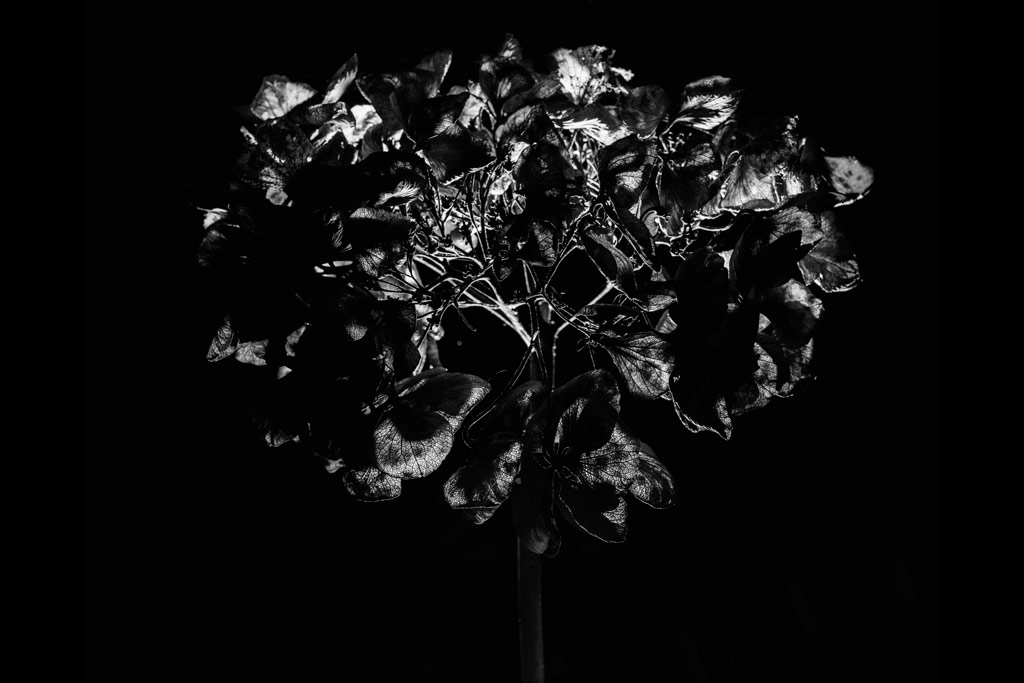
x,y
572,454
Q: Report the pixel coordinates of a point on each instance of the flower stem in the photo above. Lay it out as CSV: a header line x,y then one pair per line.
x,y
528,581
531,632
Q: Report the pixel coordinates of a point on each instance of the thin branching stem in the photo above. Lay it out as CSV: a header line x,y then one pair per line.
x,y
609,286
499,309
494,303
485,194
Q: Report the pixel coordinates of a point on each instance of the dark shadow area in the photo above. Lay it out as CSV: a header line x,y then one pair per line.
x,y
805,548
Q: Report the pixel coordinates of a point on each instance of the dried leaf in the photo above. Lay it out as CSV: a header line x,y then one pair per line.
x,y
393,179
653,483
378,238
592,391
434,116
707,103
585,424
212,216
511,48
281,418
594,385
645,362
625,167
783,368
278,150
583,73
252,352
342,79
226,344
638,237
310,115
379,90
749,395
364,117
329,141
595,510
291,342
370,484
767,172
277,96
455,152
643,108
511,412
477,103
415,435
780,372
546,88
528,125
849,176
591,485
541,237
596,121
657,299
223,344
793,310
487,480
765,258
578,452
830,264
543,176
698,407
502,80
611,261
689,179
435,65
666,324
373,140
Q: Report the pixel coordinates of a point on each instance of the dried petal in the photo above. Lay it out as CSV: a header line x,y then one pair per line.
x,y
625,167
342,79
708,103
849,176
643,108
277,96
645,362
371,484
416,434
487,480
611,261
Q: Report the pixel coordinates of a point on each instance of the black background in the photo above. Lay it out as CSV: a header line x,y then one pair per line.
x,y
804,548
